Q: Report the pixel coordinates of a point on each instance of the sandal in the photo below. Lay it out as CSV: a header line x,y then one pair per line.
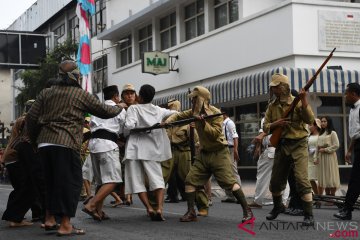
x,y
117,203
51,228
94,214
104,216
74,231
87,200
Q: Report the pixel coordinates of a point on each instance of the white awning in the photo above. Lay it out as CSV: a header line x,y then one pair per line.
x,y
328,81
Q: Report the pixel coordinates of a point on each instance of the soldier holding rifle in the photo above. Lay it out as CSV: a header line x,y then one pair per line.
x,y
214,157
293,146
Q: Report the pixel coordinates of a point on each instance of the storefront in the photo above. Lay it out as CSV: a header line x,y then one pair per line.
x,y
247,99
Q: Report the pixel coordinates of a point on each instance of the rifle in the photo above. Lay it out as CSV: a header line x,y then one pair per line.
x,y
192,140
173,124
277,132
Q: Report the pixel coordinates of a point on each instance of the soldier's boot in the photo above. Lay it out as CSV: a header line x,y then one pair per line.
x,y
240,197
190,215
308,214
278,208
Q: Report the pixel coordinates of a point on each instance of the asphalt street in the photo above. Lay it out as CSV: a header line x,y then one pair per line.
x,y
131,223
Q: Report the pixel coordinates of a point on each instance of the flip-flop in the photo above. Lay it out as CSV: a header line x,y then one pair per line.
x,y
159,217
104,216
74,231
51,228
114,205
152,215
93,214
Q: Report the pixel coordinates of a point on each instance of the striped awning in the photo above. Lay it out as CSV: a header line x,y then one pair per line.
x,y
328,81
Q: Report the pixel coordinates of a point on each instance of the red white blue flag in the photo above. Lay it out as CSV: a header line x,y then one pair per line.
x,y
83,10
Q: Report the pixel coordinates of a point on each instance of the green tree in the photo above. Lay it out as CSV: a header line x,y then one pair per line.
x,y
35,80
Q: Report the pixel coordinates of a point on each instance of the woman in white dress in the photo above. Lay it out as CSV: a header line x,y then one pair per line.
x,y
328,169
313,163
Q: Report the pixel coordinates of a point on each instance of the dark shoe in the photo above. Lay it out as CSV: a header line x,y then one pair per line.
x,y
296,212
308,221
288,210
190,216
229,200
248,214
275,212
172,200
344,214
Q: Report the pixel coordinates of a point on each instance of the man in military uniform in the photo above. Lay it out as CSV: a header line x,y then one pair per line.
x,y
214,157
293,145
181,159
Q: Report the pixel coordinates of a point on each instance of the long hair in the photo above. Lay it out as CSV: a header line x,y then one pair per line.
x,y
330,126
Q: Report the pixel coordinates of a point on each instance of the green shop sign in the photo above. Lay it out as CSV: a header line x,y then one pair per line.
x,y
155,62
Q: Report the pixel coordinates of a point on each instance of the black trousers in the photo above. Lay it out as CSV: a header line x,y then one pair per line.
x,y
63,177
354,183
21,177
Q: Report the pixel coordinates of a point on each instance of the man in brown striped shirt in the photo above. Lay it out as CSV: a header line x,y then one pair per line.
x,y
56,121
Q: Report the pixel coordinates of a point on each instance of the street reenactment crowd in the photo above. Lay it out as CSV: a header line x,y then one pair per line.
x,y
49,155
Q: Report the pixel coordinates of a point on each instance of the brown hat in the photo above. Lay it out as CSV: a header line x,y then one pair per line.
x,y
128,87
278,78
200,91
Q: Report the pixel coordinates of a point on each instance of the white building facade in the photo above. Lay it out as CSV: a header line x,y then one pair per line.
x,y
233,48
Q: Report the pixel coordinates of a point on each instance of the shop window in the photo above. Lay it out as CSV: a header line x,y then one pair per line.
x,y
330,105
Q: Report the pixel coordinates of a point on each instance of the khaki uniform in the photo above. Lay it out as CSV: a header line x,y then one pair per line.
x,y
214,157
181,160
293,146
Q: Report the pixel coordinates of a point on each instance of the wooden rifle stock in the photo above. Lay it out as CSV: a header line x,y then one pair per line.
x,y
277,132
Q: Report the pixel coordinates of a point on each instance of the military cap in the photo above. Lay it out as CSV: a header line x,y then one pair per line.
x,y
201,92
278,78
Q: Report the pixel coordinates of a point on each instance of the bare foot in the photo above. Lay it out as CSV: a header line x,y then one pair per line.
x,y
20,224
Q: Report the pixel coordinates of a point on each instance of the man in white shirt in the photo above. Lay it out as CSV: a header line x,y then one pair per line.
x,y
229,130
146,150
104,153
352,98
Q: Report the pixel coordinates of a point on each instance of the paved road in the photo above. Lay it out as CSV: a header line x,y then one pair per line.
x,y
131,223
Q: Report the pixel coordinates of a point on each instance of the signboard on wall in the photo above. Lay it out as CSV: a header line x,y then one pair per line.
x,y
340,30
155,62
21,49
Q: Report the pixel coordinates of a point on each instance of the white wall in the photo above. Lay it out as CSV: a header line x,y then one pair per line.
x,y
5,97
279,36
250,7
